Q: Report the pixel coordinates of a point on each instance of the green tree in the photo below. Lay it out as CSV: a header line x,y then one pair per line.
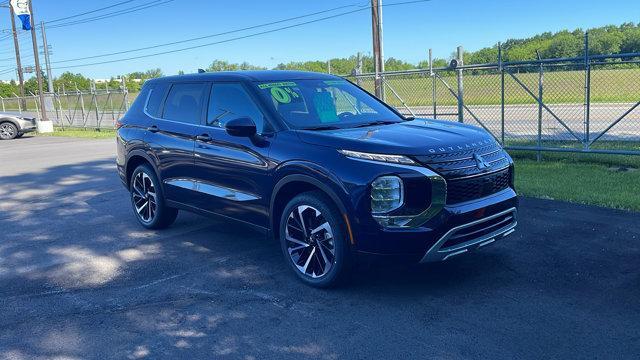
x,y
69,81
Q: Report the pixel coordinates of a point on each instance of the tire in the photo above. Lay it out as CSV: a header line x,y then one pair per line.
x,y
8,131
147,199
306,251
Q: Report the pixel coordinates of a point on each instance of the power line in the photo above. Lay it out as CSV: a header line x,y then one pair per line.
x,y
237,38
113,14
125,11
207,36
90,12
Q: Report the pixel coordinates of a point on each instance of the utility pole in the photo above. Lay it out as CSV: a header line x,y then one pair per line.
x,y
378,52
36,58
47,61
16,44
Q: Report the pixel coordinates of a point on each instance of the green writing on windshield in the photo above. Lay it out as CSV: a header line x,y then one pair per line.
x,y
283,94
277,84
335,82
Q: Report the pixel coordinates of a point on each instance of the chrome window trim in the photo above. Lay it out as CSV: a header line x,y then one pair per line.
x,y
146,104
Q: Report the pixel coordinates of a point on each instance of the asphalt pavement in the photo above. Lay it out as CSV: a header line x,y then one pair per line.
x,y
80,279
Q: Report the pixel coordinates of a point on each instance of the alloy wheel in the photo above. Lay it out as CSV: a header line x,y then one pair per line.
x,y
309,241
7,131
145,200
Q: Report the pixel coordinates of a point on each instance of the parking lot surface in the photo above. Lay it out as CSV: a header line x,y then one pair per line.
x,y
80,279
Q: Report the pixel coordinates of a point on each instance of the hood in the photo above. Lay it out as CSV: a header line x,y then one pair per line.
x,y
415,137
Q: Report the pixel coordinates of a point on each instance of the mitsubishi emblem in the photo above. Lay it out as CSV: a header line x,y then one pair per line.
x,y
481,163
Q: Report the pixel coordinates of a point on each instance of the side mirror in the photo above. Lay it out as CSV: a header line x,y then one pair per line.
x,y
243,126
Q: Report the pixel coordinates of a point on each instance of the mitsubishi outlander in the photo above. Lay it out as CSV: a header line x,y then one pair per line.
x,y
325,167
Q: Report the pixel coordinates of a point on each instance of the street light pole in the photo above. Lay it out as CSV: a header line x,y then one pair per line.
x,y
378,54
47,60
36,58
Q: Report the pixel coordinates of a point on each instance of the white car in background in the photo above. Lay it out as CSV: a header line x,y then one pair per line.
x,y
14,126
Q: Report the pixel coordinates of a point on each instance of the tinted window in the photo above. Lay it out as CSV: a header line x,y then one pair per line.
x,y
231,101
155,99
140,101
317,103
184,103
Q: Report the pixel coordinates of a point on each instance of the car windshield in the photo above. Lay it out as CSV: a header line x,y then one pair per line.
x,y
325,104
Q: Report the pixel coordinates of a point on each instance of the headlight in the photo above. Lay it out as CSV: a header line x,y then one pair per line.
x,y
387,194
397,159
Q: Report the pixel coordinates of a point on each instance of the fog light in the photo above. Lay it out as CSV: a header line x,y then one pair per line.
x,y
393,221
387,194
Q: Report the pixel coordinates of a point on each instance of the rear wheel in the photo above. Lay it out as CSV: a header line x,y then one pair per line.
x,y
313,240
8,131
148,201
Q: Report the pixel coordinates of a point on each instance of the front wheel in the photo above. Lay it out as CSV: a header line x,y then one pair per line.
x,y
148,201
8,131
314,241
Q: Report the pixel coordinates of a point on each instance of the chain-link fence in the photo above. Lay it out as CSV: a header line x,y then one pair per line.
x,y
94,109
587,104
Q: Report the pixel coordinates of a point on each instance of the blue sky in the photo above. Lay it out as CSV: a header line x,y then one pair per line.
x,y
409,30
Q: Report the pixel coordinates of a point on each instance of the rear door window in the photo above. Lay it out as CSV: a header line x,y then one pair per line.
x,y
184,103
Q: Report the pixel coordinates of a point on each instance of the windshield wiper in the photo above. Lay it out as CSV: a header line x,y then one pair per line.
x,y
380,122
323,127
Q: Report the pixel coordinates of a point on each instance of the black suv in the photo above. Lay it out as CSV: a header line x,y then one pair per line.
x,y
323,165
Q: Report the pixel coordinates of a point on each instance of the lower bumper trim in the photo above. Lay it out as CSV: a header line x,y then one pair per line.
x,y
485,229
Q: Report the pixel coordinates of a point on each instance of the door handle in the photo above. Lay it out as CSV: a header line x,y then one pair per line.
x,y
204,138
153,129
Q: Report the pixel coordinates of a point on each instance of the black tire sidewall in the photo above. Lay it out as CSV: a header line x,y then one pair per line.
x,y
321,202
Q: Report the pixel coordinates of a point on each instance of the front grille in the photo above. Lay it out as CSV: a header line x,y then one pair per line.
x,y
462,163
461,190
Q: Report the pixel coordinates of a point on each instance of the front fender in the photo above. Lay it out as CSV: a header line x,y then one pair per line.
x,y
313,174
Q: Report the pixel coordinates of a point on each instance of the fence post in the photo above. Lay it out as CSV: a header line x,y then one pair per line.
x,y
125,94
2,100
587,91
460,86
110,98
501,70
84,122
94,90
540,94
434,93
35,100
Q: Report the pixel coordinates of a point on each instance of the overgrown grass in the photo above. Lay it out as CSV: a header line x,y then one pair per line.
x,y
82,133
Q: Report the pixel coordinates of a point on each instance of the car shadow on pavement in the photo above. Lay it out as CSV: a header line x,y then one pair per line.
x,y
79,278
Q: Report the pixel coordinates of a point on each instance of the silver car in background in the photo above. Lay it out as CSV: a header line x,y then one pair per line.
x,y
14,126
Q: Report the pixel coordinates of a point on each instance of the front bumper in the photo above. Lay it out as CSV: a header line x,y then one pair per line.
x,y
457,229
28,129
27,125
